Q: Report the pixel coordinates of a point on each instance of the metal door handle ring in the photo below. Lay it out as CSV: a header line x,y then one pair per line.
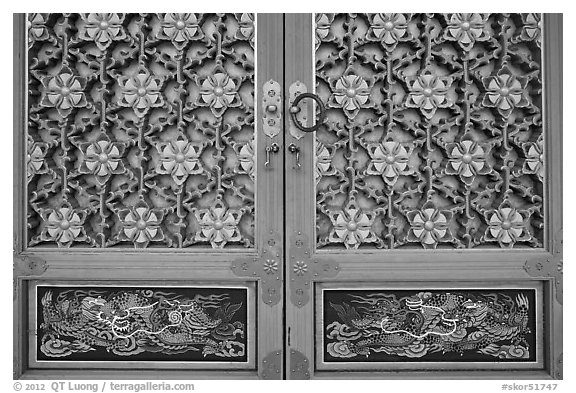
x,y
294,110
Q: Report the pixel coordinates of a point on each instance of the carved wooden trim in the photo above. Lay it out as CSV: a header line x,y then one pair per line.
x,y
299,365
551,267
303,269
266,267
272,365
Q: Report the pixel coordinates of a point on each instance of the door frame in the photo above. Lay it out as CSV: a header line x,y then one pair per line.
x,y
397,266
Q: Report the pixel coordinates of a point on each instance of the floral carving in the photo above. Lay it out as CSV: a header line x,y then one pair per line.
x,y
467,159
532,29
218,225
351,93
63,225
300,268
429,226
352,226
507,225
246,25
179,158
64,92
219,91
389,160
246,158
388,29
141,92
534,162
505,91
428,92
466,29
102,158
103,29
323,162
37,30
180,28
35,159
270,266
323,23
141,224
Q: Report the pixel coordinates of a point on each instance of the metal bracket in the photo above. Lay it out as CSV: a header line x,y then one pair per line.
x,y
299,365
295,90
304,270
29,265
272,108
266,267
272,365
559,374
550,267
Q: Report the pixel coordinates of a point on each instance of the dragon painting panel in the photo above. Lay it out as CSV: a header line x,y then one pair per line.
x,y
106,323
439,325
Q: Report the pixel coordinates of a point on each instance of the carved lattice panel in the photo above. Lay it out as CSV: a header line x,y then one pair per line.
x,y
141,130
434,134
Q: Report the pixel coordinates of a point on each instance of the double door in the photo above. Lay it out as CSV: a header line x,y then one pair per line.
x,y
287,196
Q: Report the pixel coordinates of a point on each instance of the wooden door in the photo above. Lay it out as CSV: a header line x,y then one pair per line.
x,y
148,196
287,196
423,228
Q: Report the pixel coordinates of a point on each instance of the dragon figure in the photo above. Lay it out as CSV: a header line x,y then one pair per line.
x,y
414,326
131,322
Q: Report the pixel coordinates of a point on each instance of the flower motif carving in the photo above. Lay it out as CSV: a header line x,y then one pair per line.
x,y
467,159
179,158
532,29
180,29
64,92
389,29
428,92
219,92
218,225
507,225
141,224
429,226
35,159
270,266
63,225
534,162
300,268
141,92
323,23
352,226
466,29
389,160
323,162
351,93
246,158
246,25
505,91
103,29
37,30
102,158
